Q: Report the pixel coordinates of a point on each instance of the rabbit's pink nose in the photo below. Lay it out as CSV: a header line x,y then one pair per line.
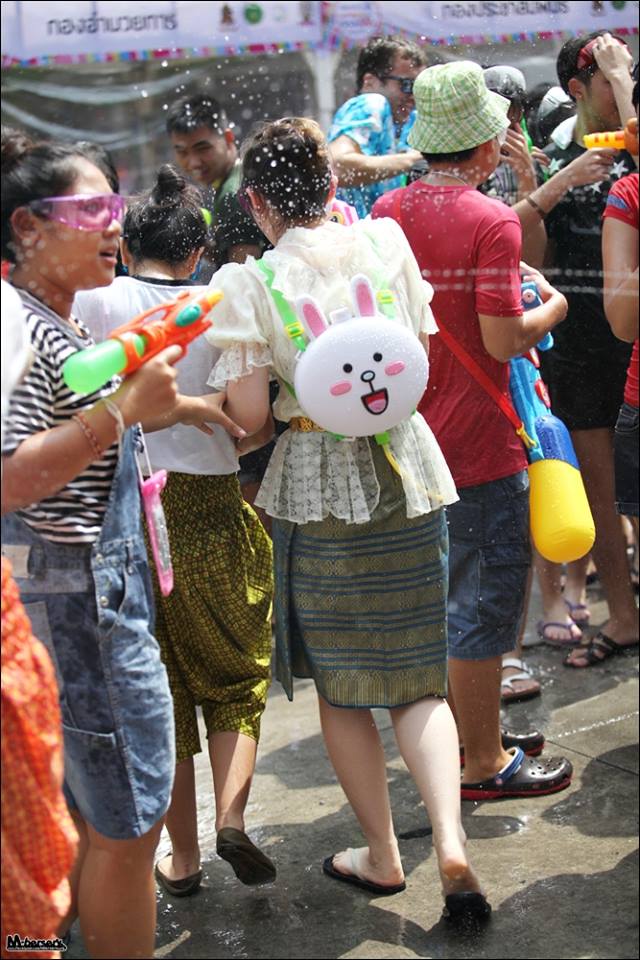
x,y
392,368
342,386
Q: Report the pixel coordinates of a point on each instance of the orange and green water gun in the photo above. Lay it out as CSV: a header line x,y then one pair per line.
x,y
129,346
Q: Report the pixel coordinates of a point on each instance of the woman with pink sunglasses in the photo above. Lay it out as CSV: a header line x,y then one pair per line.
x,y
71,528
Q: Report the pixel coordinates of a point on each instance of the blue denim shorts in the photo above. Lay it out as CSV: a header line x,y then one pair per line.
x,y
626,461
489,559
117,714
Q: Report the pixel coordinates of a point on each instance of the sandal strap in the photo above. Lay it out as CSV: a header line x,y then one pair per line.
x,y
575,606
514,662
511,768
509,681
604,642
543,624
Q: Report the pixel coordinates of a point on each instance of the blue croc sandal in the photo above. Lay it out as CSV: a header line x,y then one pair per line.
x,y
522,777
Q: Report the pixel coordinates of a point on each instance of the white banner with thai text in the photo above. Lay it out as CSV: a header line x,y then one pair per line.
x,y
36,30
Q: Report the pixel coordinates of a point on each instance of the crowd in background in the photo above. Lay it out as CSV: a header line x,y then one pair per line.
x,y
397,572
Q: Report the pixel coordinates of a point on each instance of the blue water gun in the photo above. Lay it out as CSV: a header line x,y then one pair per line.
x,y
562,527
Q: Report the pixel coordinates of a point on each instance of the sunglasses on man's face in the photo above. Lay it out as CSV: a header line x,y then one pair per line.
x,y
406,83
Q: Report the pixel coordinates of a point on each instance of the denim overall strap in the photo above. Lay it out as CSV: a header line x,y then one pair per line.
x,y
122,519
120,543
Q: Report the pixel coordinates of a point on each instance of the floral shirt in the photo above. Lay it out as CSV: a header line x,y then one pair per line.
x,y
368,121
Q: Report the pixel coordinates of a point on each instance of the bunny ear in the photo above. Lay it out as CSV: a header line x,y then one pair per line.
x,y
312,316
362,294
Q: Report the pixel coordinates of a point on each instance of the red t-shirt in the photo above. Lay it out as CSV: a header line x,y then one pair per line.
x,y
622,204
468,246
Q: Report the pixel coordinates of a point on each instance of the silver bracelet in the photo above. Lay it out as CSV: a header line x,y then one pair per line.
x,y
115,411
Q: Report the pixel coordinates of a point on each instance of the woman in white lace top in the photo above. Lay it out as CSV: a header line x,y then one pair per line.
x,y
360,550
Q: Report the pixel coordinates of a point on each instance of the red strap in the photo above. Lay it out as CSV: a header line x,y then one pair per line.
x,y
459,352
481,377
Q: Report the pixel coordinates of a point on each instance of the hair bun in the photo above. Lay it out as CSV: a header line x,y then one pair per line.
x,y
169,186
15,144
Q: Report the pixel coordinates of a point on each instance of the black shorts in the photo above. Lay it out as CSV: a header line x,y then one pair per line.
x,y
626,461
587,392
254,464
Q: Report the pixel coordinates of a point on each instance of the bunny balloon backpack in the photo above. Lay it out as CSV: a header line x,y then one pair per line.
x,y
356,375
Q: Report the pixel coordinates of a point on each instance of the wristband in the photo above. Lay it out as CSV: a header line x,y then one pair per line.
x,y
115,411
87,429
536,206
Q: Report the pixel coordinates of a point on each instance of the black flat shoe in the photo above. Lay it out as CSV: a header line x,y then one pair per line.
x,y
466,909
179,888
250,865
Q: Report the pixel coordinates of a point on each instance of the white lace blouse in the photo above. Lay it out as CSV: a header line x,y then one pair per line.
x,y
311,475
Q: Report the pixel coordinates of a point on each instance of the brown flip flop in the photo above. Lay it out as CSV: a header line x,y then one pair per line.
x,y
251,866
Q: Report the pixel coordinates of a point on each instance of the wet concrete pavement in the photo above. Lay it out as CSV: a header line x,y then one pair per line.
x,y
560,871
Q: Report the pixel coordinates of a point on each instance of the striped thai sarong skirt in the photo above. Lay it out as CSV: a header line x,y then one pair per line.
x,y
214,628
361,608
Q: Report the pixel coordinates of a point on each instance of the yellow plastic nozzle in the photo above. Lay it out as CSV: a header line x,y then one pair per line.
x,y
214,297
610,138
562,526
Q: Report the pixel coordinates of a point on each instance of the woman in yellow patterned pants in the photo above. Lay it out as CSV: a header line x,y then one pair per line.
x,y
214,629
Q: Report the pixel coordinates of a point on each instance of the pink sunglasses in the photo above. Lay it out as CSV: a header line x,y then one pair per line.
x,y
244,200
82,211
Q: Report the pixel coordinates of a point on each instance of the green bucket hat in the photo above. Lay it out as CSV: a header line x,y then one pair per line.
x,y
454,109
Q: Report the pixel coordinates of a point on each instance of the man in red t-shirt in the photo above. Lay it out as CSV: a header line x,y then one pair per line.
x,y
468,247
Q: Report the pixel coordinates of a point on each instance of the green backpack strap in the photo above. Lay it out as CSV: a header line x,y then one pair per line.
x,y
292,325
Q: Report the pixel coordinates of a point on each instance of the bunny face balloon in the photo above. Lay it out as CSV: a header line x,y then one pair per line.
x,y
360,375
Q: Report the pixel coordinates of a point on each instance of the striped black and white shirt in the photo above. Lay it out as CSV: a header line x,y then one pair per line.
x,y
42,401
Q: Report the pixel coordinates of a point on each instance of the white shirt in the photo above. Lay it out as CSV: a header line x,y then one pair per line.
x,y
16,349
180,449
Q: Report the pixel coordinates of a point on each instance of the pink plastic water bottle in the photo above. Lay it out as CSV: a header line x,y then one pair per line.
x,y
151,489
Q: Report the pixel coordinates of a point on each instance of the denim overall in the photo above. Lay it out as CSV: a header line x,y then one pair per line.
x,y
91,605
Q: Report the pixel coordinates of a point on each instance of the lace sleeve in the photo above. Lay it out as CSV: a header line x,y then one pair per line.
x,y
238,361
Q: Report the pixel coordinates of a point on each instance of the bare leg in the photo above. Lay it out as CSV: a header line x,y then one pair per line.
x,y
519,686
428,741
74,877
575,589
554,609
594,449
182,825
475,686
117,897
233,760
355,750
